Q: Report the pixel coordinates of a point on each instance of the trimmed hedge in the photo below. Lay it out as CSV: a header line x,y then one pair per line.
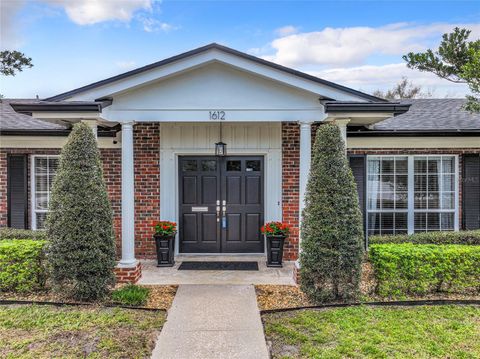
x,y
461,237
408,269
22,266
14,233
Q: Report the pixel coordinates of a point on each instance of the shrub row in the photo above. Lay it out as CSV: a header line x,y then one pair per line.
x,y
408,269
22,265
462,237
13,233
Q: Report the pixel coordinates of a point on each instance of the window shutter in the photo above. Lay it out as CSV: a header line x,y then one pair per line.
x,y
357,164
471,191
17,191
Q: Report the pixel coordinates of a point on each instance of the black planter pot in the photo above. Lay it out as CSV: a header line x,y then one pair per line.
x,y
165,250
275,250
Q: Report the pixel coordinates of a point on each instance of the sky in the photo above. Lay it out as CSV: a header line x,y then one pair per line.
x,y
358,44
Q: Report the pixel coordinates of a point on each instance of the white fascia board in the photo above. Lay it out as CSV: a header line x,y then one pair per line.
x,y
63,115
295,115
195,61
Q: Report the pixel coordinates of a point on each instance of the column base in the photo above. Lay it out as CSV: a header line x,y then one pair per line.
x,y
296,272
128,274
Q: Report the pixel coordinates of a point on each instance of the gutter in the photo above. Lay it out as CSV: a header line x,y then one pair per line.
x,y
59,133
413,133
338,107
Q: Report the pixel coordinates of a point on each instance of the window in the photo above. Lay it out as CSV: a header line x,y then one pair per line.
x,y
43,169
407,194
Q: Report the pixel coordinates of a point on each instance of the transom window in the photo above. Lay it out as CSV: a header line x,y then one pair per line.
x,y
44,169
407,194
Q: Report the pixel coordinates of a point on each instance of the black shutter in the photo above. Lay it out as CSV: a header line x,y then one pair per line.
x,y
17,191
357,164
471,191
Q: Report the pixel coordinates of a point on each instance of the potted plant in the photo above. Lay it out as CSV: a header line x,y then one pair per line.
x,y
165,232
275,232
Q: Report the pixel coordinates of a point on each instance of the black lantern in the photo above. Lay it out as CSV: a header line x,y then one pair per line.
x,y
220,146
220,149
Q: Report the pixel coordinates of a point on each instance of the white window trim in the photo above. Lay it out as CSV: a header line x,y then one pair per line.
x,y
33,211
411,192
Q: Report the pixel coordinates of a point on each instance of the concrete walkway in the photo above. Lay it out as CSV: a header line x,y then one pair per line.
x,y
213,321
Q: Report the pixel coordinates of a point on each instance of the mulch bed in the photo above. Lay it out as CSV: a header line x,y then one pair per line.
x,y
271,297
161,297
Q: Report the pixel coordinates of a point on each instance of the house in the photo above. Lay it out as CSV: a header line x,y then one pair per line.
x,y
416,163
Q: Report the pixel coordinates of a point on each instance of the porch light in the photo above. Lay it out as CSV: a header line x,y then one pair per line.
x,y
220,149
220,146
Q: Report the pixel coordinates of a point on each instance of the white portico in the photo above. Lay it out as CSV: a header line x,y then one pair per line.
x,y
192,96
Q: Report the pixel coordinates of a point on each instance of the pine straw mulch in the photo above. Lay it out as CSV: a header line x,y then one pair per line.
x,y
161,297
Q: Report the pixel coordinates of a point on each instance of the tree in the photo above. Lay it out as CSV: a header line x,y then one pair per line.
x,y
13,61
403,89
456,60
332,235
79,223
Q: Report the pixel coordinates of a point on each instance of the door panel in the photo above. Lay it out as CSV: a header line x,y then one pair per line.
x,y
204,181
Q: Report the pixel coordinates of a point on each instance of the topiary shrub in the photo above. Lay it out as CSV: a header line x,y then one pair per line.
x,y
437,237
22,265
79,225
14,233
331,232
410,269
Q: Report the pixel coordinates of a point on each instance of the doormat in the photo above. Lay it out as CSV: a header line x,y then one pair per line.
x,y
218,266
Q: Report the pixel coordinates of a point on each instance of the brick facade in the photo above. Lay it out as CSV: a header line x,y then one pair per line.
x,y
146,142
290,183
128,275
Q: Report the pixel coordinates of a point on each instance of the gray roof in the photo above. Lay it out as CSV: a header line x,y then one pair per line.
x,y
11,120
432,114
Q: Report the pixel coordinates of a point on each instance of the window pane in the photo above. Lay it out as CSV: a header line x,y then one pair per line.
x,y
41,183
40,165
433,221
433,200
386,221
388,183
448,183
434,165
374,221
420,182
401,221
448,164
420,165
433,184
387,165
401,200
401,165
448,200
253,166
388,200
40,217
447,220
402,182
234,165
420,200
209,165
41,200
189,165
420,221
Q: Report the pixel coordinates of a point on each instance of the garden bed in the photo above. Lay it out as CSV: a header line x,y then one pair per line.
x,y
413,332
31,331
160,297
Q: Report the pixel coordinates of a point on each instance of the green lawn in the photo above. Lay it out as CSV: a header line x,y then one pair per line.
x,y
29,331
376,332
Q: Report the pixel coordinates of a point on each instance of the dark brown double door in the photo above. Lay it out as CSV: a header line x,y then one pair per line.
x,y
221,204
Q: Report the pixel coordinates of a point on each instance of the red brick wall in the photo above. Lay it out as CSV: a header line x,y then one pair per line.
x,y
146,142
290,184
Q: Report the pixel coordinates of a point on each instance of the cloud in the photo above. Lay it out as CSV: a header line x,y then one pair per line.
x,y
88,12
286,30
153,25
9,36
372,77
354,45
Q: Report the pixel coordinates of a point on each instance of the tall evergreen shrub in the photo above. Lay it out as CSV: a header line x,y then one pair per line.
x,y
79,225
331,230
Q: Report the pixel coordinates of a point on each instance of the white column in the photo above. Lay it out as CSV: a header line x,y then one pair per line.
x,y
93,125
305,159
342,123
128,198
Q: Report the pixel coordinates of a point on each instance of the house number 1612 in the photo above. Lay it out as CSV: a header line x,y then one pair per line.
x,y
217,115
